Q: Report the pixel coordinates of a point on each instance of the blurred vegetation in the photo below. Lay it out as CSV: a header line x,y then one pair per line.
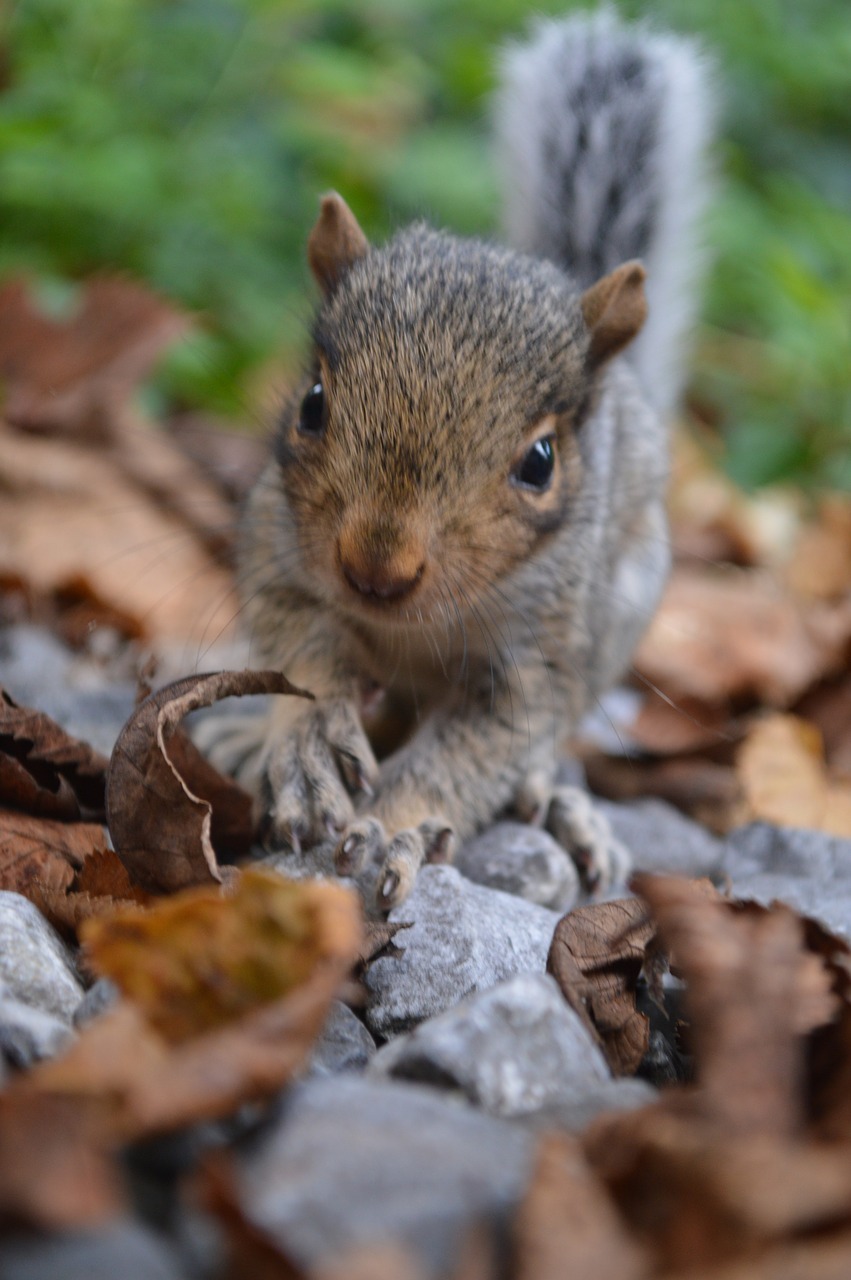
x,y
187,142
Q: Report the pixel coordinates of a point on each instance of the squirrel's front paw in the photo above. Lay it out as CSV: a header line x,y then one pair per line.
x,y
312,772
581,829
400,856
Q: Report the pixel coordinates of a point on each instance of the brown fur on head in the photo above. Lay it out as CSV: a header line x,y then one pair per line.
x,y
441,363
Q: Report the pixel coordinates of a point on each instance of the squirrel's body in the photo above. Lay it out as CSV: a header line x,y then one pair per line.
x,y
463,527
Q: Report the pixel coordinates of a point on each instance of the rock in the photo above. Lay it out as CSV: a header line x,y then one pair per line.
x,y
345,1044
35,964
463,938
353,1161
808,870
523,860
101,996
73,689
661,839
511,1050
575,1114
123,1249
28,1035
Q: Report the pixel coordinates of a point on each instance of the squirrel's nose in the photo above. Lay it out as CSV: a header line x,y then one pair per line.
x,y
381,582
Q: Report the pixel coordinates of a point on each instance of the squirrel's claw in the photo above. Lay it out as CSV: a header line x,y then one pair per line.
x,y
312,774
583,830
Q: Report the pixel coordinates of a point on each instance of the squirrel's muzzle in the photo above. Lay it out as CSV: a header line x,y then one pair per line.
x,y
379,572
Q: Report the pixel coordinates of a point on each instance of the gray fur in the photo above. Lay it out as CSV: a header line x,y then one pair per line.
x,y
602,132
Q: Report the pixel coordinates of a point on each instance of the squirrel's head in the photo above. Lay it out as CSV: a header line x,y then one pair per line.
x,y
434,445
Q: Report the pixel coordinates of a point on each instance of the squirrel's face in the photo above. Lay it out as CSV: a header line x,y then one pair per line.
x,y
434,446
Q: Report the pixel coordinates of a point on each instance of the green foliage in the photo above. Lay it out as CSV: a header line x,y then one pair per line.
x,y
187,142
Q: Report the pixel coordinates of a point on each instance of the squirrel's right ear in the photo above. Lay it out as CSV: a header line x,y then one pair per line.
x,y
614,310
335,242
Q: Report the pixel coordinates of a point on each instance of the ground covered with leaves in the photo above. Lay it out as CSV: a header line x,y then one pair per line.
x,y
212,1069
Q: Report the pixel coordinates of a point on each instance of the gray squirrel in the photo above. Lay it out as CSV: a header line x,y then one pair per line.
x,y
462,535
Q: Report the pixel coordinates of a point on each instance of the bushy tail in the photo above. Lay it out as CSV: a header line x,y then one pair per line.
x,y
602,131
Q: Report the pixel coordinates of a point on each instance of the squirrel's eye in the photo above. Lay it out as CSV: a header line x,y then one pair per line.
x,y
535,470
311,418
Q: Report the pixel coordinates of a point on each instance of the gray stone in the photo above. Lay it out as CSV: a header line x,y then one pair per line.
x,y
523,860
28,1035
575,1114
511,1050
102,995
663,840
808,870
345,1044
73,689
354,1161
123,1249
463,938
35,964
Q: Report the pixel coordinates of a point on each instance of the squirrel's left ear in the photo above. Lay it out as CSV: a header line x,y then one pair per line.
x,y
614,310
335,242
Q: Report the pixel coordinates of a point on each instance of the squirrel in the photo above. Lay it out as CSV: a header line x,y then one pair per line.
x,y
461,535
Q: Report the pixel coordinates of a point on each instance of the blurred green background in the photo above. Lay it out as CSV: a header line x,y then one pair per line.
x,y
187,142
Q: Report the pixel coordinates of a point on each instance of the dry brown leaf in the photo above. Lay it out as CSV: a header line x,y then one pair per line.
x,y
56,1172
153,1085
709,792
596,956
90,489
753,993
38,851
820,564
828,707
567,1227
199,960
59,375
160,828
784,780
696,1196
824,1257
248,1249
723,633
43,769
101,887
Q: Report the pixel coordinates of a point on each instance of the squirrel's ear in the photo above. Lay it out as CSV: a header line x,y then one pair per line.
x,y
335,242
614,310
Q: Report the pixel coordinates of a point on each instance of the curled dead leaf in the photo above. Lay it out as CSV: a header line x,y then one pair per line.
x,y
596,957
161,829
753,992
204,1033
200,959
44,770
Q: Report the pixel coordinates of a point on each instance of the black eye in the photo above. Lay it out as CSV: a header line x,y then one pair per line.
x,y
536,468
311,418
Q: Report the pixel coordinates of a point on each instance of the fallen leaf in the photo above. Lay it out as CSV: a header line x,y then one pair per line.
x,y
44,770
697,1197
753,992
153,1084
80,610
707,791
37,850
200,959
723,633
100,888
596,956
61,375
160,828
784,779
56,1170
820,564
567,1227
